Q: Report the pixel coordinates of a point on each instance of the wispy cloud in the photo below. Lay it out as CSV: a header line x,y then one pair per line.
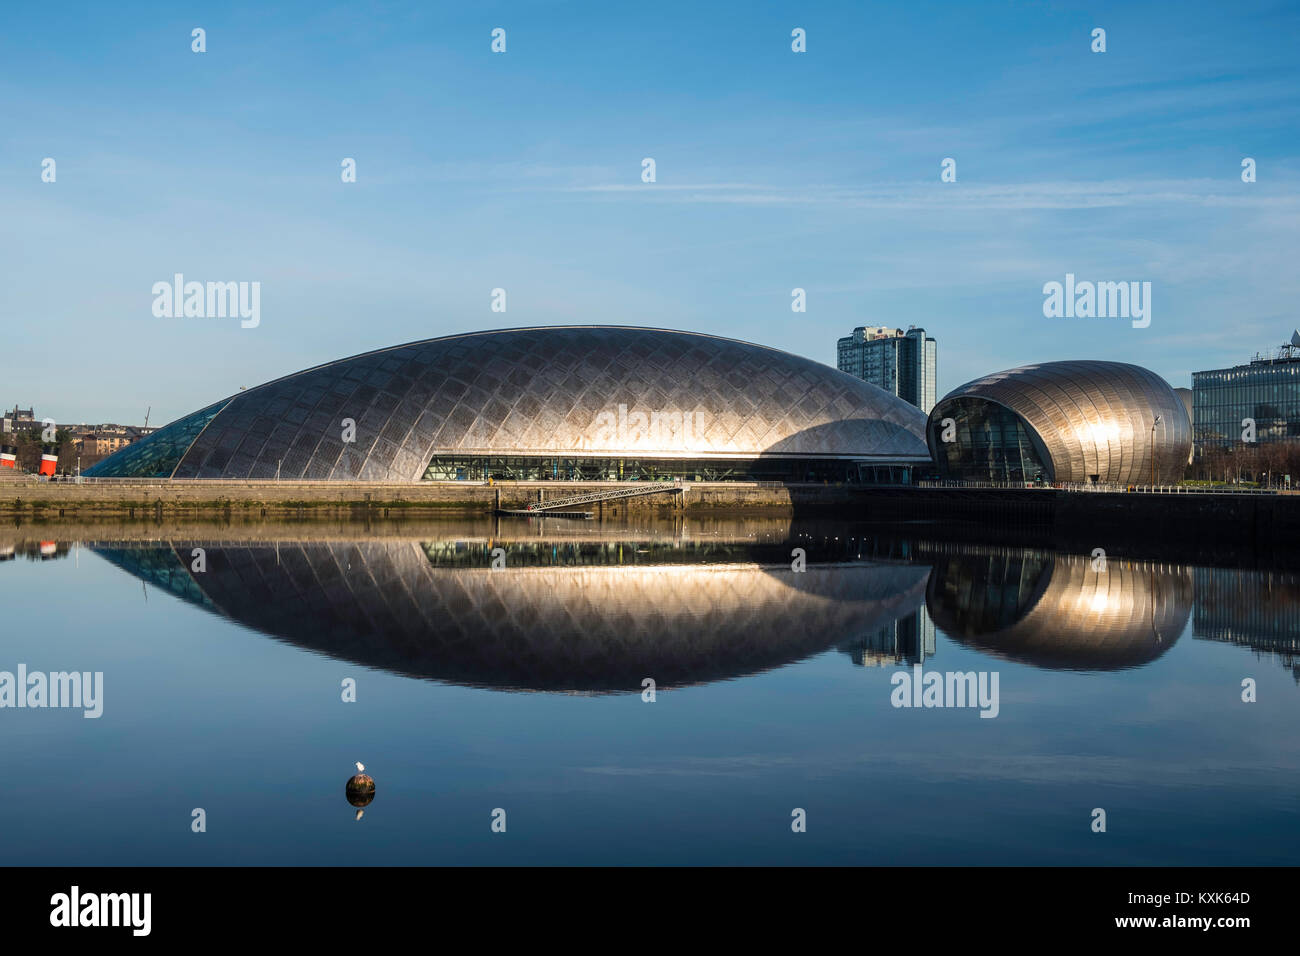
x,y
902,196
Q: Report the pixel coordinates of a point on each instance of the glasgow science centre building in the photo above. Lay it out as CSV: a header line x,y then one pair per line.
x,y
618,403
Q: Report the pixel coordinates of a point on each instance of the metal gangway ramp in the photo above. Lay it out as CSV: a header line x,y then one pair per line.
x,y
569,501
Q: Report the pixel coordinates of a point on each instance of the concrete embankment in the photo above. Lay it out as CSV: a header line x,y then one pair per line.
x,y
294,499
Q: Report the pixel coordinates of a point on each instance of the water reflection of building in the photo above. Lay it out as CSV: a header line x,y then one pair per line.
x,y
558,615
1255,609
906,640
35,550
1055,610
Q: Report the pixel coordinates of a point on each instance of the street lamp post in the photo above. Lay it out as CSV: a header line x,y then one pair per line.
x,y
1153,451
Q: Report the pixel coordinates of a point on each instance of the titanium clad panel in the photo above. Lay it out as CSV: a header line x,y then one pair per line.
x,y
582,391
1092,417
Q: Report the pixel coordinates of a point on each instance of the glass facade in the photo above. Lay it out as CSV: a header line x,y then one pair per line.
x,y
158,454
1267,391
992,443
522,468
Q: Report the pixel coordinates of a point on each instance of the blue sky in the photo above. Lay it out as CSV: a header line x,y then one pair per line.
x,y
521,170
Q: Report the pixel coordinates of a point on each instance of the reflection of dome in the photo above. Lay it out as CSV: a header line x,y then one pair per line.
x,y
542,402
1065,421
415,609
1055,611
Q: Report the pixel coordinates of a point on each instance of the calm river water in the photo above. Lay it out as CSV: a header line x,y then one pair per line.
x,y
495,672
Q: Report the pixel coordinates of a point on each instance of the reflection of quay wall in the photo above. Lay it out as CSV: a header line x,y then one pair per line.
x,y
382,604
1187,528
1255,609
1055,611
240,527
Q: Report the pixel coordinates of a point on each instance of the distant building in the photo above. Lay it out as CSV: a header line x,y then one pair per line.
x,y
1265,392
103,443
17,418
76,443
902,363
102,440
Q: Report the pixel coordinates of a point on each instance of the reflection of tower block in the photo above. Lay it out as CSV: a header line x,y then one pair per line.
x,y
9,456
907,640
925,635
49,460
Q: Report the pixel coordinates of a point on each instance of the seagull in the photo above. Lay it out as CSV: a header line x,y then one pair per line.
x,y
361,768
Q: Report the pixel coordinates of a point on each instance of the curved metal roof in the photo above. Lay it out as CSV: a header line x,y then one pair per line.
x,y
579,391
1092,417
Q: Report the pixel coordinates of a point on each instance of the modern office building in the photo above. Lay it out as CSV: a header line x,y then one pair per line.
x,y
574,402
902,363
1067,422
1265,392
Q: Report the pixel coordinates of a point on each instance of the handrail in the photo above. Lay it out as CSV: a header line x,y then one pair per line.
x,y
1101,487
647,489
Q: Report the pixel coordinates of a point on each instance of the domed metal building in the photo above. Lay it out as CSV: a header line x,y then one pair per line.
x,y
1075,421
575,402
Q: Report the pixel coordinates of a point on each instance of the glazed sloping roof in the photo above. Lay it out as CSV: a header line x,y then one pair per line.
x,y
581,391
1094,418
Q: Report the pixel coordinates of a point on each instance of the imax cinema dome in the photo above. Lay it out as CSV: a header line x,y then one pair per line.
x,y
577,402
1079,421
